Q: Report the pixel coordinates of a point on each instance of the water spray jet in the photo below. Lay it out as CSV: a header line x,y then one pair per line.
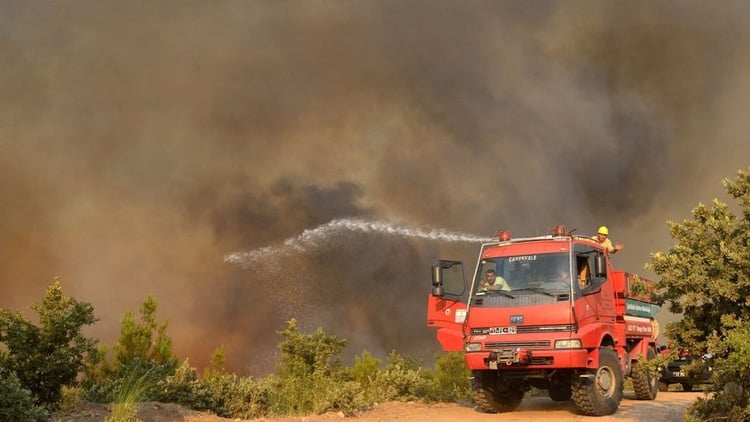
x,y
320,235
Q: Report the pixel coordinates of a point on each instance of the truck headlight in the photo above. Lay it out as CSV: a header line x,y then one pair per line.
x,y
568,344
473,347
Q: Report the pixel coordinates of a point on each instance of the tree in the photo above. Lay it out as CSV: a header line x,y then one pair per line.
x,y
145,340
707,273
50,355
705,277
143,352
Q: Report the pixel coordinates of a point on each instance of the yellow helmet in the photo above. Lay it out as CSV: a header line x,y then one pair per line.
x,y
603,230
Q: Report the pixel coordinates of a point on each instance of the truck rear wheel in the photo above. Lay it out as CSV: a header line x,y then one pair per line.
x,y
492,397
644,383
600,394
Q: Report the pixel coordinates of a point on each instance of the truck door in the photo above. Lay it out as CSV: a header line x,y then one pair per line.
x,y
446,309
588,283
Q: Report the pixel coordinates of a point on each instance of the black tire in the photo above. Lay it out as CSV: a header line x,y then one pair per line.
x,y
687,386
560,393
663,386
601,393
489,395
644,383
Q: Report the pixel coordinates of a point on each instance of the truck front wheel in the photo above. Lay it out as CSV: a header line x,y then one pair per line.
x,y
600,393
492,397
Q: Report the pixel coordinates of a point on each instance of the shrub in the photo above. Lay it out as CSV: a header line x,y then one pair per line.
x,y
731,376
402,379
143,352
71,400
365,369
451,381
16,402
50,355
309,372
132,389
226,395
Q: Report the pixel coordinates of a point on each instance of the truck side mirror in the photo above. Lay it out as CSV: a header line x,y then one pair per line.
x,y
448,278
437,281
600,266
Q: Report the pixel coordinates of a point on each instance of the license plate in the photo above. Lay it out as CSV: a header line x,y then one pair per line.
x,y
678,374
503,330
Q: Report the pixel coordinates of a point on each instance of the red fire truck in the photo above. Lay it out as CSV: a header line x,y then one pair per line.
x,y
548,312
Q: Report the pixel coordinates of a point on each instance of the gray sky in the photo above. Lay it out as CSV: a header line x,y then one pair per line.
x,y
143,141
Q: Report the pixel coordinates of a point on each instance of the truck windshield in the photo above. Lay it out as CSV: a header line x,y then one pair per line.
x,y
537,273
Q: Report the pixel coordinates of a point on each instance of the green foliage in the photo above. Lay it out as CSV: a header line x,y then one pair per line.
x,y
226,395
303,355
16,402
706,278
132,389
47,356
185,388
310,375
731,376
71,400
40,363
452,378
707,273
639,288
365,369
143,351
404,379
145,339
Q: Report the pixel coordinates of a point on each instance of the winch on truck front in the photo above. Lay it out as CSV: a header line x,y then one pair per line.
x,y
548,312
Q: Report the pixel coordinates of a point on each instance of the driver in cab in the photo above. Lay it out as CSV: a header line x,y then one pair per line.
x,y
492,281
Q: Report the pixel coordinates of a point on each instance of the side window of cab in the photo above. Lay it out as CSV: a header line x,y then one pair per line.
x,y
588,261
584,271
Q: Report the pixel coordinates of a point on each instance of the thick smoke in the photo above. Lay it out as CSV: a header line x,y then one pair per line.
x,y
141,143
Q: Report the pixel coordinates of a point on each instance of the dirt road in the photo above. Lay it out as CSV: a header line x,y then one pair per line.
x,y
668,407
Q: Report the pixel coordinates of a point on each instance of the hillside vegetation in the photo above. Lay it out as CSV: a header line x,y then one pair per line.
x,y
51,366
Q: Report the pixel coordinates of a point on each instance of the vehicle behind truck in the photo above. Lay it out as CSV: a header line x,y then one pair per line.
x,y
563,321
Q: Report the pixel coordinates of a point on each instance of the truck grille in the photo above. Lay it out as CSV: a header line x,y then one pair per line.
x,y
529,329
512,344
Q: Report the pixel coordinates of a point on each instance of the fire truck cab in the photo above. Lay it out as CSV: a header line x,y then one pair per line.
x,y
548,312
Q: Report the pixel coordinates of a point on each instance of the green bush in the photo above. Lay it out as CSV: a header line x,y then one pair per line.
x,y
16,402
309,373
404,379
451,381
365,369
226,395
131,390
39,362
48,356
143,352
731,376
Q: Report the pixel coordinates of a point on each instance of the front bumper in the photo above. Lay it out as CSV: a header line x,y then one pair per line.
x,y
508,358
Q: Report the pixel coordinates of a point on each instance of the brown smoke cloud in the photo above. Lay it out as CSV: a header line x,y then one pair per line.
x,y
143,142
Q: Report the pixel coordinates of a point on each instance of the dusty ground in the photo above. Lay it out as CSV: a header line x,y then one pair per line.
x,y
668,407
